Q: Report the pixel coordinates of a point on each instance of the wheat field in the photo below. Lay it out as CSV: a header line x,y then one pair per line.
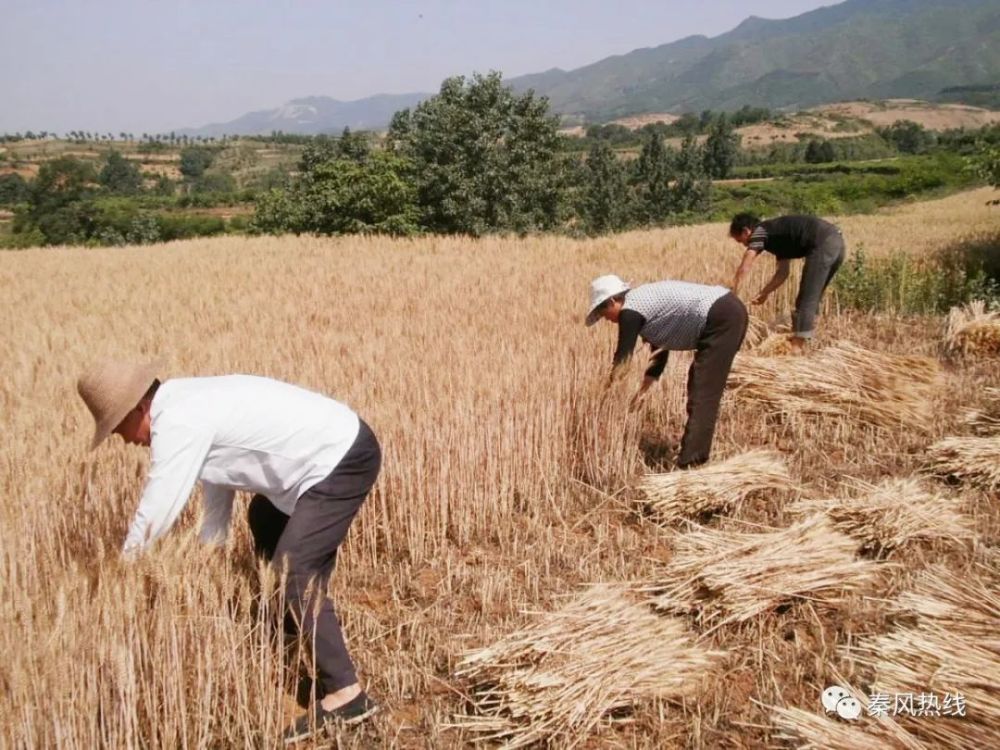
x,y
509,480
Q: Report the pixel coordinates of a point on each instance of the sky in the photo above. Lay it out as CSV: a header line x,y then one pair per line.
x,y
154,65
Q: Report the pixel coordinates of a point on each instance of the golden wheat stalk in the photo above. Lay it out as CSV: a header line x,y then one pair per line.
x,y
558,678
975,460
844,380
893,513
732,576
716,487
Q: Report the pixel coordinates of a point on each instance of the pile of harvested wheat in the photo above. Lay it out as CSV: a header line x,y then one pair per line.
x,y
557,679
773,345
975,460
757,332
966,604
950,654
985,421
729,576
844,380
716,487
893,514
973,331
810,730
956,673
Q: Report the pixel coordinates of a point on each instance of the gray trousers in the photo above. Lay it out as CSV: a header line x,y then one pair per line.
x,y
717,346
307,541
820,267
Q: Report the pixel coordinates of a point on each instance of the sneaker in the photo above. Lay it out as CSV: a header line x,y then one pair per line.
x,y
316,722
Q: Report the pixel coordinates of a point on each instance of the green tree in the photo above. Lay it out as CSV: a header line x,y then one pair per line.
x,y
908,137
692,188
195,160
119,175
13,189
605,205
484,158
652,175
344,196
353,146
820,152
721,148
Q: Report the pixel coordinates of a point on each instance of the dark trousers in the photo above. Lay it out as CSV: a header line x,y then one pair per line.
x,y
307,541
820,267
717,345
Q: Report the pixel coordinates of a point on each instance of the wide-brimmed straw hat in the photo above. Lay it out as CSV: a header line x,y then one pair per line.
x,y
111,389
602,289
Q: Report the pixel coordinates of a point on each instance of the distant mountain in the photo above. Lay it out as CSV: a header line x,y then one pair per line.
x,y
857,49
314,114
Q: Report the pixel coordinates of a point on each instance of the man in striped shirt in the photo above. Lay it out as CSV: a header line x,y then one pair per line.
x,y
677,316
787,238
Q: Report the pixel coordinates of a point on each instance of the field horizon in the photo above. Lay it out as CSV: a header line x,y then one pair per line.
x,y
509,485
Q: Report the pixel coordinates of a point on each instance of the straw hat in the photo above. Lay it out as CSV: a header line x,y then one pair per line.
x,y
602,289
111,389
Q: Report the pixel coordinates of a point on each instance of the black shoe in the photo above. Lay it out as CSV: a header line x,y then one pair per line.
x,y
316,722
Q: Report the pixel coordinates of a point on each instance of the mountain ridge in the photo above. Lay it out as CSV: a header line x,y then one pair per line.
x,y
856,49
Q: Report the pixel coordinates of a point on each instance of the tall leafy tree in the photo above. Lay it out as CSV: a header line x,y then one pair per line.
x,y
605,200
721,148
119,175
652,176
692,188
484,158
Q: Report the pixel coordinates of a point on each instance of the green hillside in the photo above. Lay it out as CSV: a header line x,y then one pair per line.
x,y
857,49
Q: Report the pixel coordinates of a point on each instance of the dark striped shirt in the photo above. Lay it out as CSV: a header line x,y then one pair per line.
x,y
788,237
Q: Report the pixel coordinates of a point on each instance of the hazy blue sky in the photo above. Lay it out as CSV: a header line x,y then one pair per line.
x,y
149,65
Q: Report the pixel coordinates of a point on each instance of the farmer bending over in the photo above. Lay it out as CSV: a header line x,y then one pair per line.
x,y
788,237
310,459
677,315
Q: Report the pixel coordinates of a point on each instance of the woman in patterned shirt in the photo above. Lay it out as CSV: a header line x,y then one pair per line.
x,y
677,316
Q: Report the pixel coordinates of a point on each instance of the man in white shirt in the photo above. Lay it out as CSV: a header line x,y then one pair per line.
x,y
310,460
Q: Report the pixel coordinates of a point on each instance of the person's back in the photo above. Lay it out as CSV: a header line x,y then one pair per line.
x,y
793,236
266,436
675,311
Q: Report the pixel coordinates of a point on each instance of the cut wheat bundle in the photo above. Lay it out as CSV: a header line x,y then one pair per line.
x,y
966,603
810,730
985,421
731,576
757,332
844,380
956,674
893,514
975,460
716,487
774,345
557,679
973,331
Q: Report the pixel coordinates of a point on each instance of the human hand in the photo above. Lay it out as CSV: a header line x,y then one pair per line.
x,y
760,299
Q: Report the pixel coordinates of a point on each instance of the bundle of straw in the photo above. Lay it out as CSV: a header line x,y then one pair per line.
x,y
774,345
893,514
844,380
716,487
932,660
557,679
975,460
973,331
965,604
985,421
757,332
811,730
738,576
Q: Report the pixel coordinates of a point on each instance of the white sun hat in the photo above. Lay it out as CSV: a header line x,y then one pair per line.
x,y
602,289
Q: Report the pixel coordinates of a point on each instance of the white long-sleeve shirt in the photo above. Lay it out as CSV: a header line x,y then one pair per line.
x,y
235,432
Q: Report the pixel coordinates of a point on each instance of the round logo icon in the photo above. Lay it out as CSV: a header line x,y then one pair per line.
x,y
848,708
832,696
